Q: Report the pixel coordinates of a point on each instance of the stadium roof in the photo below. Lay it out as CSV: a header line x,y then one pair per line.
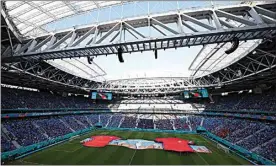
x,y
34,18
30,16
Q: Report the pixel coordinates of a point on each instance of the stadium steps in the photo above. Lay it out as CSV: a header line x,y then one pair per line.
x,y
41,130
79,122
236,105
122,120
263,145
202,121
173,124
251,135
16,144
67,125
5,132
5,136
189,124
154,125
109,120
10,135
237,132
89,121
137,121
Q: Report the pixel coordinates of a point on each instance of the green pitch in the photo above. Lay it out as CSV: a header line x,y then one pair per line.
x,y
73,153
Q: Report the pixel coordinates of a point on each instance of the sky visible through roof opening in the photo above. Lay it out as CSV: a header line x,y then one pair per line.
x,y
170,63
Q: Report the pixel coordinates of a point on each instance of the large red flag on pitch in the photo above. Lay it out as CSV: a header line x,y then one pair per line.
x,y
100,141
175,144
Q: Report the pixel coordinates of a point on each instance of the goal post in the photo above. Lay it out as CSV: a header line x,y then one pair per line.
x,y
222,147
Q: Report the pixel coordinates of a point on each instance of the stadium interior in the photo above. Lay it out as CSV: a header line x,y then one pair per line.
x,y
54,84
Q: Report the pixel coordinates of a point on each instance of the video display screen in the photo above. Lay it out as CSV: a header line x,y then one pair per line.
x,y
197,93
101,96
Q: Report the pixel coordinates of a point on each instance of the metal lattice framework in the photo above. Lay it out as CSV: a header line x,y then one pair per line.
x,y
31,16
161,85
260,60
254,63
39,71
156,31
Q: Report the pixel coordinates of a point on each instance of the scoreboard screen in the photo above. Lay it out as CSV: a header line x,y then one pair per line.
x,y
101,95
197,93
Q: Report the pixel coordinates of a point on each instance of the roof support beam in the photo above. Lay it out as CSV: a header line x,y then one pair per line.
x,y
225,23
62,40
188,26
196,21
265,12
108,33
236,18
78,41
133,29
164,26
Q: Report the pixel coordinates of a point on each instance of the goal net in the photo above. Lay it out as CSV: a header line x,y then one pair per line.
x,y
224,148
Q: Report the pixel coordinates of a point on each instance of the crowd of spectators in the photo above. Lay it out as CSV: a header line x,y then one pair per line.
x,y
145,124
84,120
180,123
17,98
247,101
252,135
129,122
104,119
71,122
93,118
25,132
244,129
6,145
259,137
163,124
115,121
195,121
53,127
268,150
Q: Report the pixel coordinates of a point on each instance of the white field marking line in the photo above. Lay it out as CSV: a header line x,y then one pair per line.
x,y
70,143
132,157
71,151
202,158
23,161
200,141
62,150
76,149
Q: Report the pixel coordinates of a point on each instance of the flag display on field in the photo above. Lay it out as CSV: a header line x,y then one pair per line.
x,y
200,149
137,144
169,144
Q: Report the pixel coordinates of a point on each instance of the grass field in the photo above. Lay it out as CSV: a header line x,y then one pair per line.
x,y
73,153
